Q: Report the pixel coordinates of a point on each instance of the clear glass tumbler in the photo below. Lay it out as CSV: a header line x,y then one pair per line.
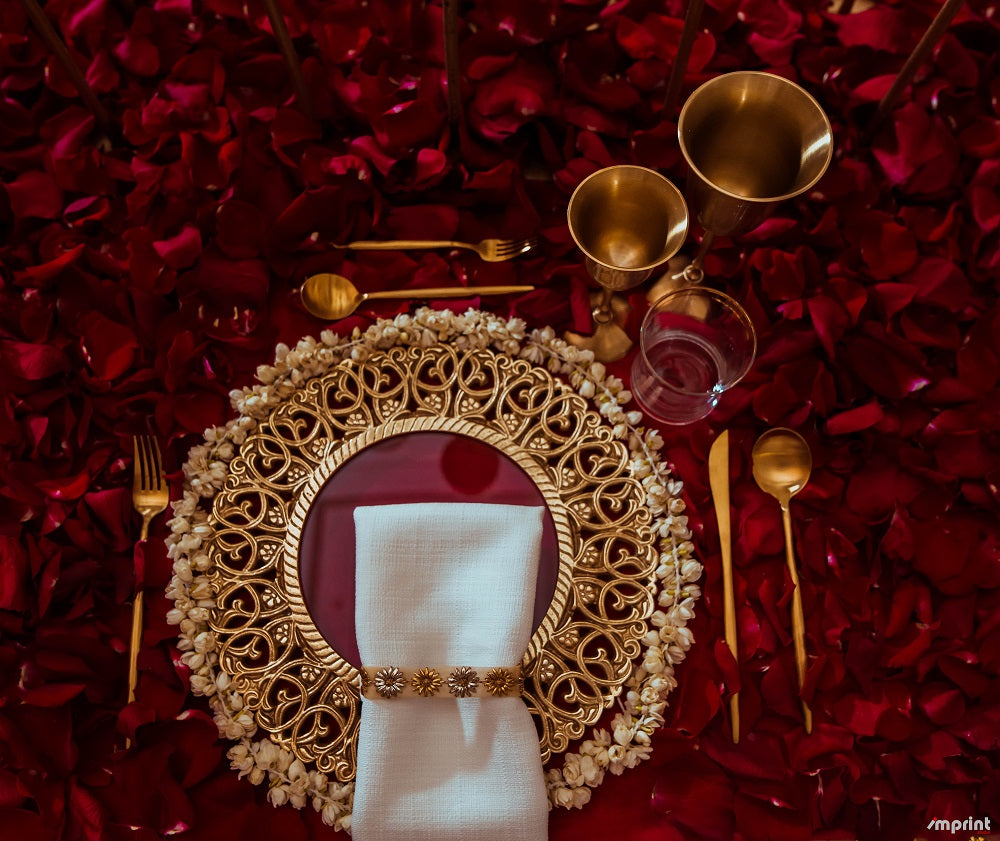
x,y
694,344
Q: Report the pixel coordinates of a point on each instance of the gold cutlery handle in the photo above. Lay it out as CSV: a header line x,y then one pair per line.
x,y
798,616
718,477
135,641
402,244
134,646
447,292
729,609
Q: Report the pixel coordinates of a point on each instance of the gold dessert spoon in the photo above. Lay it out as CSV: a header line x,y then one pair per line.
x,y
782,463
332,297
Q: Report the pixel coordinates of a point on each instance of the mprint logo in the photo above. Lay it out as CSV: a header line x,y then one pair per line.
x,y
953,826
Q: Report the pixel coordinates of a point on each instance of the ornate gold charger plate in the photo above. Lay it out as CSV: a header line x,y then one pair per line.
x,y
247,628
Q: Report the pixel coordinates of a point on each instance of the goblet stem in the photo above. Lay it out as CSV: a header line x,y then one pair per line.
x,y
693,272
706,244
602,313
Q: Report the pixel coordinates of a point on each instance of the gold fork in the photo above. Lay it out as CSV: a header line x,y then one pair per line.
x,y
491,250
150,496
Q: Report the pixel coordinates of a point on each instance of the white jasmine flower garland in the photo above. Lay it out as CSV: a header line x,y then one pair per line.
x,y
666,641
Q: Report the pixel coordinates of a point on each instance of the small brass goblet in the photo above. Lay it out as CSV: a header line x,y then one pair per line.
x,y
751,140
627,221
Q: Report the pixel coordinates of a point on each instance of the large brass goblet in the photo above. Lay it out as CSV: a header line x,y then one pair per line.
x,y
627,221
751,140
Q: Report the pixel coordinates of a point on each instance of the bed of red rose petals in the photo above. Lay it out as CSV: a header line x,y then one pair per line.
x,y
146,272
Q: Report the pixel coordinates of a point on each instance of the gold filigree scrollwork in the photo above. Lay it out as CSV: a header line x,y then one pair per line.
x,y
298,687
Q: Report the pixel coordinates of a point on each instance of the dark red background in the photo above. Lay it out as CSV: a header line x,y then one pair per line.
x,y
148,270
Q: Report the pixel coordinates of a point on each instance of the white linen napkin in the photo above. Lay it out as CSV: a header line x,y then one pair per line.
x,y
447,584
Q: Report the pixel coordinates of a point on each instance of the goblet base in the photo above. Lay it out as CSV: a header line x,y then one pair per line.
x,y
609,341
671,281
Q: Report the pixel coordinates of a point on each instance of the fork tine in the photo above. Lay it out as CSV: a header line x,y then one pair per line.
x,y
150,465
157,478
147,463
136,462
514,246
143,462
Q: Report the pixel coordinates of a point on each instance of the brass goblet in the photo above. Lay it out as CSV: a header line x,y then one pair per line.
x,y
751,140
627,221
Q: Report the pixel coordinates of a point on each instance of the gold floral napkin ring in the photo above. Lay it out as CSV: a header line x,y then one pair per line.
x,y
388,682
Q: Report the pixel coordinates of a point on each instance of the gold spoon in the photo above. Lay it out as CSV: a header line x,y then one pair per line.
x,y
782,463
332,297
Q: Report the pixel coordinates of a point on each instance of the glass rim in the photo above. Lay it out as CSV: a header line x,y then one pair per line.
x,y
636,270
721,79
734,306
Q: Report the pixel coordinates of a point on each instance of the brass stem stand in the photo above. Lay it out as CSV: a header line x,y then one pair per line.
x,y
288,53
919,55
451,68
52,40
691,20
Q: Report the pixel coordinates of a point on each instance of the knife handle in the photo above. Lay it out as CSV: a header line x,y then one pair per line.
x,y
729,609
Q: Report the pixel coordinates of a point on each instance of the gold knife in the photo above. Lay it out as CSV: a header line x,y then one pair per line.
x,y
718,480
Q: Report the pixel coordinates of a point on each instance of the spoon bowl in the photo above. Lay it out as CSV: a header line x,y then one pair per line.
x,y
782,463
332,297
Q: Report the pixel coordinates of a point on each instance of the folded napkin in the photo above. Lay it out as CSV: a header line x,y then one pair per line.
x,y
447,584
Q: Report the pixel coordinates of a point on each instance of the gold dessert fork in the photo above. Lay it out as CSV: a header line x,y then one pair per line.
x,y
491,250
150,496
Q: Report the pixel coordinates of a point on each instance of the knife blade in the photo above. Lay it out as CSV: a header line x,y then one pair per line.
x,y
718,480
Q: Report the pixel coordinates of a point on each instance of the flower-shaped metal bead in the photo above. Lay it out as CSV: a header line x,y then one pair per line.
x,y
426,682
463,682
389,682
366,680
499,682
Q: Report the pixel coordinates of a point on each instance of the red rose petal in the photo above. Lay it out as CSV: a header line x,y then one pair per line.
x,y
699,802
900,371
888,249
981,138
928,327
939,282
35,194
854,420
13,575
70,487
32,361
941,704
111,512
232,283
697,701
964,675
766,820
830,320
52,694
109,347
182,250
25,826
